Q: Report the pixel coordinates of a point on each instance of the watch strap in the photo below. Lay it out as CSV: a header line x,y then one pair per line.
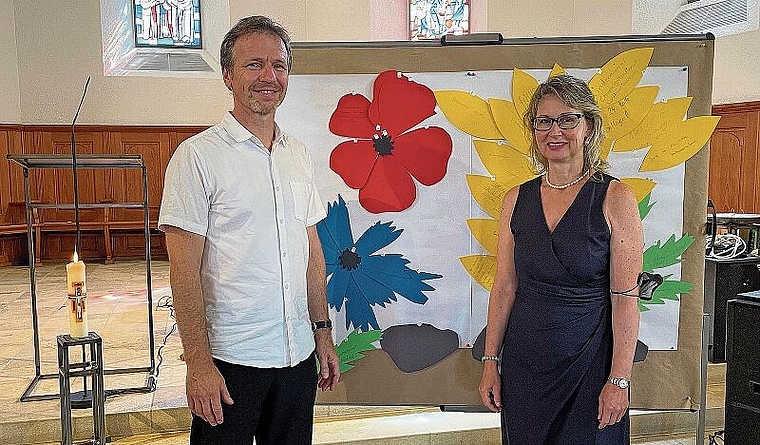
x,y
620,382
321,324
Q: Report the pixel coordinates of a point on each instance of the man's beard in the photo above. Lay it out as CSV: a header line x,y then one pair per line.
x,y
265,107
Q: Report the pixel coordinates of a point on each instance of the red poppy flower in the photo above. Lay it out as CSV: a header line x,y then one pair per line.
x,y
385,152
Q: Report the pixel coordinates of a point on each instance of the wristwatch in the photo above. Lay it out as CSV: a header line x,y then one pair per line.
x,y
321,324
620,382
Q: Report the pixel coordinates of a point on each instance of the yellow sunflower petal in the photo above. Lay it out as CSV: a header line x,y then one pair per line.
x,y
557,70
510,124
655,125
481,267
507,165
620,75
468,113
488,193
641,187
681,143
621,117
486,231
523,87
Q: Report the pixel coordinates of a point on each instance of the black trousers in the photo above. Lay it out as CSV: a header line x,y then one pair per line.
x,y
274,405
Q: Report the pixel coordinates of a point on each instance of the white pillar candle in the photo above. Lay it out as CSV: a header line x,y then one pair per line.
x,y
76,283
78,325
75,276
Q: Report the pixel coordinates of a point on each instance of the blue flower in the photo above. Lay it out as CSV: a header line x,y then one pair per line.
x,y
361,279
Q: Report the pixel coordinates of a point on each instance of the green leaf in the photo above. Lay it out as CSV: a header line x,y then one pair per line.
x,y
663,255
669,290
351,348
645,206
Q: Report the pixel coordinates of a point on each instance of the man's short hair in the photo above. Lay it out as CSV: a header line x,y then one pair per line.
x,y
251,25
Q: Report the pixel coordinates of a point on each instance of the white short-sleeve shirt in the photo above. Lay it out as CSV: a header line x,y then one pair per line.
x,y
253,208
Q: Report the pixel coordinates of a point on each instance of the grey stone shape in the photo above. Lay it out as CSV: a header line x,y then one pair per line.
x,y
415,347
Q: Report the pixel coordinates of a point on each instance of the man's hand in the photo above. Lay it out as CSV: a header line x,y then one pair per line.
x,y
613,402
329,364
206,390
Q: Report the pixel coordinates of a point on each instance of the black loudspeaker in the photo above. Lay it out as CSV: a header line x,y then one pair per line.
x,y
742,425
724,279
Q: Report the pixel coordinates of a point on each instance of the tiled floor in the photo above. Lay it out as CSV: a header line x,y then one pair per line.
x,y
118,311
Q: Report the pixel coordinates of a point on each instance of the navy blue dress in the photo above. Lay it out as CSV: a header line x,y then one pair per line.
x,y
558,345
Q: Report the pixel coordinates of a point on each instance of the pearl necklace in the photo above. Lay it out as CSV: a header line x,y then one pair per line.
x,y
564,186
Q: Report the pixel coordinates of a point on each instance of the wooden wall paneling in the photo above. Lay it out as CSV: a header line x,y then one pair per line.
x,y
35,142
734,182
153,147
130,245
725,157
58,246
5,170
749,175
86,143
155,144
16,174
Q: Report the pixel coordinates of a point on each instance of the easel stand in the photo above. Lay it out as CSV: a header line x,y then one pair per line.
x,y
49,161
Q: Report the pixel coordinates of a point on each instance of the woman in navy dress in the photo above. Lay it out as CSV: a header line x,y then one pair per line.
x,y
569,240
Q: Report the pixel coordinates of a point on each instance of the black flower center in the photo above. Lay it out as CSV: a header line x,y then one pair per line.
x,y
383,144
349,259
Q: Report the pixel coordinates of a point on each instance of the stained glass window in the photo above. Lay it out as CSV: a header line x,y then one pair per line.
x,y
167,23
432,19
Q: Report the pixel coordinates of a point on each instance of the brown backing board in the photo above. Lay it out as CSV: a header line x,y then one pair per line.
x,y
666,379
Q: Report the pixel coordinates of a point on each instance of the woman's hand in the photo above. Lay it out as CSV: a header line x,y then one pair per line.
x,y
490,386
613,403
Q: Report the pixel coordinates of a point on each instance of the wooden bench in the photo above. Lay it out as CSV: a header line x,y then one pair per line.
x,y
13,231
119,219
104,220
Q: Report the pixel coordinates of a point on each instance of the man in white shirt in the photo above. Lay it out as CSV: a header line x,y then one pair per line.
x,y
247,271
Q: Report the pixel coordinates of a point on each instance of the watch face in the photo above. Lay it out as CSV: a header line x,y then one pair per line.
x,y
623,383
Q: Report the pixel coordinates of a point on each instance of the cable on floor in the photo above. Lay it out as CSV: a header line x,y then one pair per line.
x,y
163,303
716,438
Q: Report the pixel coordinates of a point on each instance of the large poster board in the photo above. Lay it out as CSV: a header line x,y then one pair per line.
x,y
409,276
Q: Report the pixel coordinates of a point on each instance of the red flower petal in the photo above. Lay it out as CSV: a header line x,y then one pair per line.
x,y
390,188
381,79
351,117
399,104
425,153
353,161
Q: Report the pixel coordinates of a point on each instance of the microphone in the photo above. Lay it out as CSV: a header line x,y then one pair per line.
x,y
74,166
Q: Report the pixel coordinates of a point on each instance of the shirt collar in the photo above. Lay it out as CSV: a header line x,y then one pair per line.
x,y
241,134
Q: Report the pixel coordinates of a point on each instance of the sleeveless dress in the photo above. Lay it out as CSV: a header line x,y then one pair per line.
x,y
558,344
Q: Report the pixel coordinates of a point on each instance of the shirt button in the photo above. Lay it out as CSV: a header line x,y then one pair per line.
x,y
287,286
281,220
284,254
277,188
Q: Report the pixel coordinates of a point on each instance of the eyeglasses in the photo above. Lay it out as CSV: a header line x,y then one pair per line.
x,y
565,121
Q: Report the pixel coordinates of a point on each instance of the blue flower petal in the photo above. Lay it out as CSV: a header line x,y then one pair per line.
x,y
339,224
391,270
337,288
374,292
358,311
376,237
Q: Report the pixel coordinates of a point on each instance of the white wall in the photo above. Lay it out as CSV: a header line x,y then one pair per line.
x,y
551,18
10,106
737,68
58,45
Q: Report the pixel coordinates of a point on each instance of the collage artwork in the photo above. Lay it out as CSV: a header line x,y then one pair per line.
x,y
413,168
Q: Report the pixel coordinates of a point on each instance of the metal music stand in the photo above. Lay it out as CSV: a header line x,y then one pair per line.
x,y
86,161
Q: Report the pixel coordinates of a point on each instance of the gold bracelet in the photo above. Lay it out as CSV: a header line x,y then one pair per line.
x,y
485,358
